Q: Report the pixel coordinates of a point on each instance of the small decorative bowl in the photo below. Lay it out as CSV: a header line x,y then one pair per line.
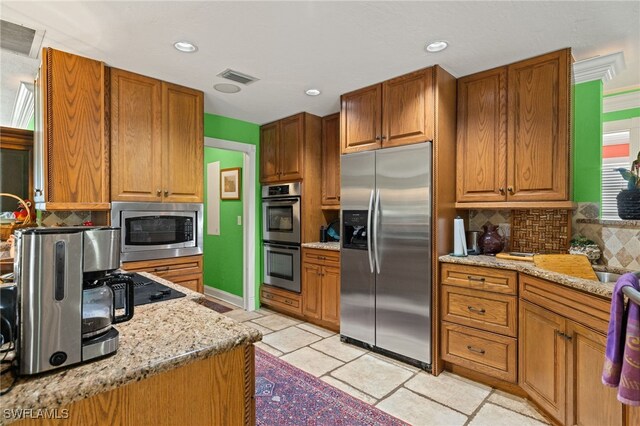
x,y
592,251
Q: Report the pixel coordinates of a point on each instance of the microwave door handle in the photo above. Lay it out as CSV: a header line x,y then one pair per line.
x,y
376,210
287,201
369,250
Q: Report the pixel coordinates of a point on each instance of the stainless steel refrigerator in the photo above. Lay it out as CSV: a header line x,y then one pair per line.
x,y
385,293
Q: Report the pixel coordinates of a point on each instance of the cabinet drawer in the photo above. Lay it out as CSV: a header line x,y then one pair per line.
x,y
480,278
323,257
278,298
487,311
482,351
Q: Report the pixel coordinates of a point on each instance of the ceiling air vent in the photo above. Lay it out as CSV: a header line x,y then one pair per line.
x,y
20,39
238,77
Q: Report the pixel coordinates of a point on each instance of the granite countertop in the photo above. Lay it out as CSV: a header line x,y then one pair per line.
x,y
590,286
332,245
160,337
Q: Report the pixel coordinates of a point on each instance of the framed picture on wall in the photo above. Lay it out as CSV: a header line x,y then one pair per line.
x,y
230,184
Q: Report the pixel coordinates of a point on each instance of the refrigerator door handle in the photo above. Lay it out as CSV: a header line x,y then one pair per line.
x,y
376,209
369,251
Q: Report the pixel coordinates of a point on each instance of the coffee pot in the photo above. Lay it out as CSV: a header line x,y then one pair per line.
x,y
66,299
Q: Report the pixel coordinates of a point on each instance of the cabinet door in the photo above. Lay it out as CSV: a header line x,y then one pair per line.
x,y
331,294
269,136
291,147
361,119
539,128
408,109
331,160
590,402
311,290
136,137
482,136
543,358
77,165
183,144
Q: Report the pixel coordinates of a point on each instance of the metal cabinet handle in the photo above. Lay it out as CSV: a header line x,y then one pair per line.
x,y
384,138
166,268
501,189
268,296
478,351
564,336
476,310
472,278
166,193
158,192
378,138
288,302
510,189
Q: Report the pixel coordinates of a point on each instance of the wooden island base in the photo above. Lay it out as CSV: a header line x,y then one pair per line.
x,y
214,391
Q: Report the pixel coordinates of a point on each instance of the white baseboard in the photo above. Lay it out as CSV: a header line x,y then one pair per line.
x,y
223,295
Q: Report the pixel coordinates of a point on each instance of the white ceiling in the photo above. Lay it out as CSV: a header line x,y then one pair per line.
x,y
332,46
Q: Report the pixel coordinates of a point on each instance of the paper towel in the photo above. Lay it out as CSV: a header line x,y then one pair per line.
x,y
459,240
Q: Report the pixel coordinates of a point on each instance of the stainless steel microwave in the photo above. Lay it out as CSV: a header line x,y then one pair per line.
x,y
158,230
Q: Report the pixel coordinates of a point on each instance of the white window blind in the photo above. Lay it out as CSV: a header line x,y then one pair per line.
x,y
612,184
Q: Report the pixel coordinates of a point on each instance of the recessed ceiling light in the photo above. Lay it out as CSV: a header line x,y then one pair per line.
x,y
437,46
227,88
185,46
312,92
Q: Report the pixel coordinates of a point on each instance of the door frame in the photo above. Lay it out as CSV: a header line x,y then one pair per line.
x,y
249,215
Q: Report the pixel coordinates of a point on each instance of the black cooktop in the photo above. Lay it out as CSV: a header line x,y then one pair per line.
x,y
145,291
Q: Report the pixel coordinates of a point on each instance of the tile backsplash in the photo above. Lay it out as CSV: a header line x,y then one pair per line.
x,y
618,240
546,231
63,218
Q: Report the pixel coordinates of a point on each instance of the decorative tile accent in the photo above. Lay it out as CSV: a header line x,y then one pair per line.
x,y
479,218
64,218
587,211
619,241
540,231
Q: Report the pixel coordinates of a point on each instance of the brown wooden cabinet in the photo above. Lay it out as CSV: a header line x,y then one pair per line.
x,y
562,346
281,300
285,147
321,287
514,134
331,161
396,112
186,270
157,140
71,147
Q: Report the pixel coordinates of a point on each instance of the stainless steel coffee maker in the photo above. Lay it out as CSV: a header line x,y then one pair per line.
x,y
66,303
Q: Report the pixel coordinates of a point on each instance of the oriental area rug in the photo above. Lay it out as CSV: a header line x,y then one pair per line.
x,y
286,395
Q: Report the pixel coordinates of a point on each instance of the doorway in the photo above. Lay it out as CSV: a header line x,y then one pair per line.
x,y
247,220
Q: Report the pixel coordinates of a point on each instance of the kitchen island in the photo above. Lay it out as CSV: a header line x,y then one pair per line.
x,y
178,363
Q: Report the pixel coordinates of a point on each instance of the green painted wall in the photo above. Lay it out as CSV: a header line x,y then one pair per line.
x,y
219,127
587,158
621,115
223,253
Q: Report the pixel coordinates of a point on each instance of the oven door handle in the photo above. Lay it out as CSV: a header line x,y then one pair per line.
x,y
369,221
284,201
281,247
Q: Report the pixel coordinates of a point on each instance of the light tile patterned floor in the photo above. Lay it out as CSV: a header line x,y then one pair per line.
x,y
399,389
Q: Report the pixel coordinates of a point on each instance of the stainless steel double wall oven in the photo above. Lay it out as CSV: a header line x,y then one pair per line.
x,y
281,235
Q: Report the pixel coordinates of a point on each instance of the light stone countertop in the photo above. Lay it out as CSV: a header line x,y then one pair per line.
x,y
589,286
160,337
332,245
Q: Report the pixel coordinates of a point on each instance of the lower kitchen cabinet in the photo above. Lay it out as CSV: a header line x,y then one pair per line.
x,y
186,270
280,300
561,359
321,287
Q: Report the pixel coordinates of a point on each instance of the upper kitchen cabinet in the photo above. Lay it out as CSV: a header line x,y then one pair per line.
x,y
396,112
71,149
361,119
286,148
157,140
514,135
482,136
331,161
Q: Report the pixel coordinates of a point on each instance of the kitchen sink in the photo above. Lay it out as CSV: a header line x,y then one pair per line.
x,y
607,277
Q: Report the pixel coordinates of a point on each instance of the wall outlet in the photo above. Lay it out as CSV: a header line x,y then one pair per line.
x,y
240,220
